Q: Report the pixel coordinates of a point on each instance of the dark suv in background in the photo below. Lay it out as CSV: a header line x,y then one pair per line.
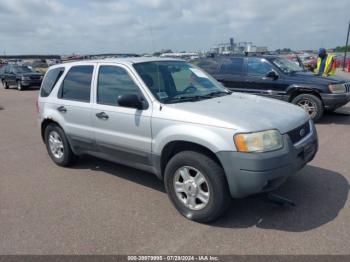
x,y
19,76
279,78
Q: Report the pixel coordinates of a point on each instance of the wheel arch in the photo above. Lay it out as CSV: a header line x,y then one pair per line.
x,y
45,123
174,147
298,90
182,136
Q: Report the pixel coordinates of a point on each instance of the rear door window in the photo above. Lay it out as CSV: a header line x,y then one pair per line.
x,y
50,80
77,84
231,66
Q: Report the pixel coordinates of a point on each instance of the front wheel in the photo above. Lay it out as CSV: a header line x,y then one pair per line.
x,y
311,104
5,85
19,86
197,186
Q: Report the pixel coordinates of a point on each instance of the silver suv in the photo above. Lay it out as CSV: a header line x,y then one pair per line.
x,y
170,118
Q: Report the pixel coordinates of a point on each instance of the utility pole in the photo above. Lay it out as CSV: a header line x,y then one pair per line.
x,y
346,47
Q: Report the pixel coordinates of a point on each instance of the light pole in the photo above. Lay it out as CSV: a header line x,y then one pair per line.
x,y
346,47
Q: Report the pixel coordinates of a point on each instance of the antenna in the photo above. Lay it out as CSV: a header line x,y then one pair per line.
x,y
151,33
346,47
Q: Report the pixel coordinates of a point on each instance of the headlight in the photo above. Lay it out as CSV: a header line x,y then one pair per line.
x,y
336,89
258,142
25,78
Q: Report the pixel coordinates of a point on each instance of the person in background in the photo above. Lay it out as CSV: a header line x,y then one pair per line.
x,y
325,64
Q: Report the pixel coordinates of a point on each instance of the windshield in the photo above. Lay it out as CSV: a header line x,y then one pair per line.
x,y
177,81
22,69
286,65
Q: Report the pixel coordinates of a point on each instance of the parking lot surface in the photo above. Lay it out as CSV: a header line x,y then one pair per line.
x,y
98,207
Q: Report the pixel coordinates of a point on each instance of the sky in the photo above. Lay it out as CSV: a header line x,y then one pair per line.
x,y
143,26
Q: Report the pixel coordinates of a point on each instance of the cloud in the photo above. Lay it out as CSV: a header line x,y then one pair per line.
x,y
97,26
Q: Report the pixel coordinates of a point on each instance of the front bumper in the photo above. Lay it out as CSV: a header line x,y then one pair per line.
x,y
333,101
31,82
251,173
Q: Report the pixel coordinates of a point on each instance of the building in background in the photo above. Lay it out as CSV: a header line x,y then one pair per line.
x,y
239,48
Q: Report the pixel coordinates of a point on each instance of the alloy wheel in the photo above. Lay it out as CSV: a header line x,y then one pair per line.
x,y
191,188
309,106
56,145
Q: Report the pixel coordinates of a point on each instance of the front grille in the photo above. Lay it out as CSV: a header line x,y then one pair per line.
x,y
347,87
299,133
34,77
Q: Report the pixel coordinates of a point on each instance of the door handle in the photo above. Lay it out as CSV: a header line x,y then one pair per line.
x,y
62,109
102,115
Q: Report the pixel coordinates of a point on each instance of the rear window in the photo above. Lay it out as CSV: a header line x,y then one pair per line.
x,y
77,84
50,80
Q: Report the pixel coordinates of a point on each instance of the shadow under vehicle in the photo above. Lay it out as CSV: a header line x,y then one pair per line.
x,y
319,194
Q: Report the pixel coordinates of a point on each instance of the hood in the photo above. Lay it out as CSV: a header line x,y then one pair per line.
x,y
243,112
310,78
31,74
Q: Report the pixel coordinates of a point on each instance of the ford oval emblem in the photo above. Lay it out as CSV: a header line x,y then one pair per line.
x,y
302,132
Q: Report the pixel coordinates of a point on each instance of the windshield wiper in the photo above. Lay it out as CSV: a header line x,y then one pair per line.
x,y
295,71
217,93
179,99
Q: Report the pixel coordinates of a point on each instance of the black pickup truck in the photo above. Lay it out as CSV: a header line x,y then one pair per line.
x,y
19,76
277,77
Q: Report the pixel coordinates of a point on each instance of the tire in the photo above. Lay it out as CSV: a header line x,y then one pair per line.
x,y
215,187
19,86
64,155
309,101
5,85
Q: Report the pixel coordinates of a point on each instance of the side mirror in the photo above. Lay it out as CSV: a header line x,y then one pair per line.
x,y
131,100
272,74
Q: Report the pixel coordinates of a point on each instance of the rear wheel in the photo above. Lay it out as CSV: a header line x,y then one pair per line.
x,y
57,146
311,104
197,186
4,84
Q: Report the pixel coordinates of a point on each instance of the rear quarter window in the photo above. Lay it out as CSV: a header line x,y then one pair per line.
x,y
209,65
50,80
76,85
